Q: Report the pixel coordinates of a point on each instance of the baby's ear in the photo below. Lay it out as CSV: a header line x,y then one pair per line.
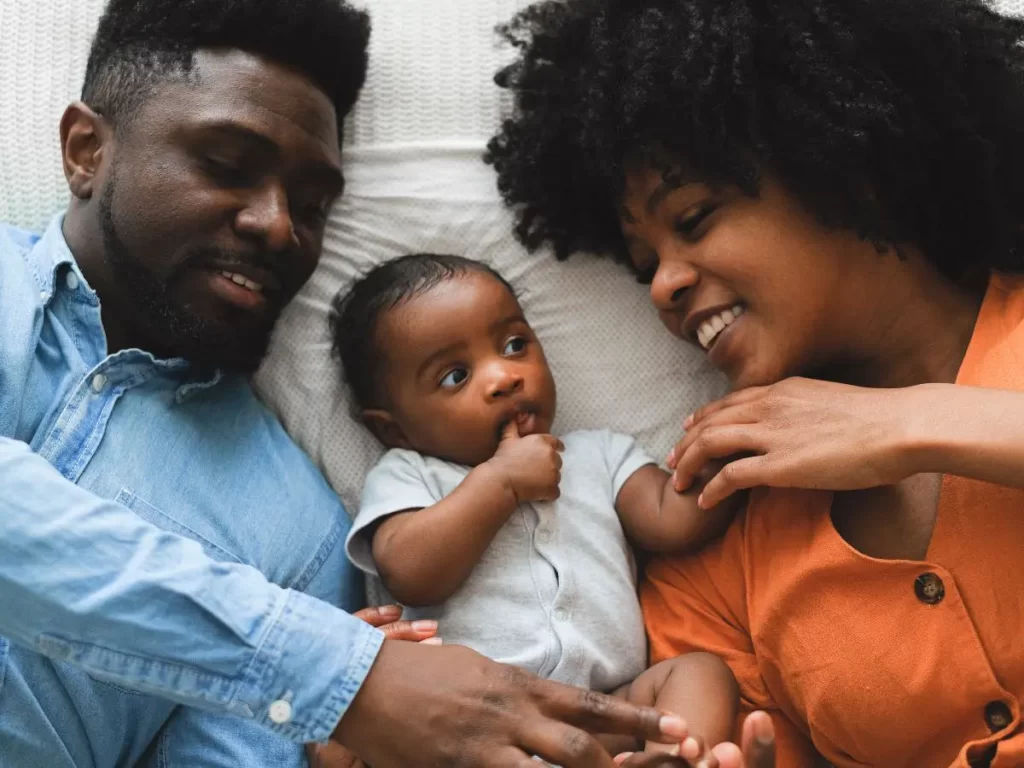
x,y
385,428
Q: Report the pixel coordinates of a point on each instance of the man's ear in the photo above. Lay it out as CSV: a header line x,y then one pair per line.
x,y
83,136
385,428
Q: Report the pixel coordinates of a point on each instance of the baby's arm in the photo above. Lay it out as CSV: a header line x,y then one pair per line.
x,y
700,688
424,555
659,519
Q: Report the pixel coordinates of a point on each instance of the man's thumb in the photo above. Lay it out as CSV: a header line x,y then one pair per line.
x,y
510,431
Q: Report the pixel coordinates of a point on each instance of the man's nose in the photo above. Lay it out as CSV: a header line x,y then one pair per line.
x,y
267,219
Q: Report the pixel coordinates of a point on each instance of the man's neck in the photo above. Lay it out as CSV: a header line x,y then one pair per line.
x,y
85,241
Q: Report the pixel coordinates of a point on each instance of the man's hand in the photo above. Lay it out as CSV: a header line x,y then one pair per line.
x,y
429,706
758,751
386,619
531,465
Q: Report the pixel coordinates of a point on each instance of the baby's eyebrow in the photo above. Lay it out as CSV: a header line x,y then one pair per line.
x,y
433,357
519,317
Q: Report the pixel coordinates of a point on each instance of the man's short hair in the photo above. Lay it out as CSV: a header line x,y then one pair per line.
x,y
141,43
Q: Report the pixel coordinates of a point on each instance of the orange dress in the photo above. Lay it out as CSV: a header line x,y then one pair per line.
x,y
877,662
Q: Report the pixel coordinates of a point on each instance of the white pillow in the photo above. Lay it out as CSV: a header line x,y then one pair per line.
x,y
416,183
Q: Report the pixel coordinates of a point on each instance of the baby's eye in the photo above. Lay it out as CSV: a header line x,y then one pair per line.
x,y
514,346
454,377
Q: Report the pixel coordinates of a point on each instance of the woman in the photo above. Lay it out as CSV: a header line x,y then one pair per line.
x,y
829,189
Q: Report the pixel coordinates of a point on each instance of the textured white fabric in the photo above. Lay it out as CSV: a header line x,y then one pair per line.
x,y
415,183
559,574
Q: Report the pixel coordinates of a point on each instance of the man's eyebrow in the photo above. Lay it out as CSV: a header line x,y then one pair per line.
x,y
237,132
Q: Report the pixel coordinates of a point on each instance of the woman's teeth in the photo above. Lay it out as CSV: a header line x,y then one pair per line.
x,y
242,281
710,328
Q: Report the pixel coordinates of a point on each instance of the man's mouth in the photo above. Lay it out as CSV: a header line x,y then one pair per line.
x,y
242,285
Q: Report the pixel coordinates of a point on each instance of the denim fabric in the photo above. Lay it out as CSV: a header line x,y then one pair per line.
x,y
140,500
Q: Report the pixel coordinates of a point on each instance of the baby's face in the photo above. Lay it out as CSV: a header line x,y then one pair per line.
x,y
460,363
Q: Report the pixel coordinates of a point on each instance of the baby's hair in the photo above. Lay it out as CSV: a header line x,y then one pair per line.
x,y
355,312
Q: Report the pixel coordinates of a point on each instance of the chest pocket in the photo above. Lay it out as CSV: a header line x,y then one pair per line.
x,y
149,513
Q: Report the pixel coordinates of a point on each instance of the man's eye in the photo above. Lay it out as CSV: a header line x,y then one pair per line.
x,y
454,378
225,171
514,346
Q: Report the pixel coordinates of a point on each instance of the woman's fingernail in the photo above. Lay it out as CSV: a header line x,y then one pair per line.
x,y
390,611
689,422
424,626
623,757
670,459
672,725
700,502
432,641
763,730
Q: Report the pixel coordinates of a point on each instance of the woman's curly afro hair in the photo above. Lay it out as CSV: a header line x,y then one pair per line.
x,y
902,120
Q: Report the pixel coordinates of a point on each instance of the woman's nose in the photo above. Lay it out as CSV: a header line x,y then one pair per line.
x,y
670,284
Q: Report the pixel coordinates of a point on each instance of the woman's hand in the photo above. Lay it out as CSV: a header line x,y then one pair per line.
x,y
387,619
758,751
800,433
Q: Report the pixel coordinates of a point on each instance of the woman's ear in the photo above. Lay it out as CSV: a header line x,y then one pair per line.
x,y
385,428
83,137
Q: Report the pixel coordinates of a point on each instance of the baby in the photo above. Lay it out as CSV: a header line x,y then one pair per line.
x,y
516,541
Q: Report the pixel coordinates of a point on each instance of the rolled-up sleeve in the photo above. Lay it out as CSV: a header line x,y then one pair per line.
x,y
86,581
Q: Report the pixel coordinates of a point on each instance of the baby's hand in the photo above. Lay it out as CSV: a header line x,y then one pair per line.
x,y
531,465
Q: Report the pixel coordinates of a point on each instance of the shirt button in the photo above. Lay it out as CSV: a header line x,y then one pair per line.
x,y
998,715
72,281
280,712
562,615
544,536
44,296
929,588
99,381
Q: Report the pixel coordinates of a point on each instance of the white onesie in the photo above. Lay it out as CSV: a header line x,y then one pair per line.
x,y
555,593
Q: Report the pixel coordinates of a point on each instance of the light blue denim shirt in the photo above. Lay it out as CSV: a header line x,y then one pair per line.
x,y
139,504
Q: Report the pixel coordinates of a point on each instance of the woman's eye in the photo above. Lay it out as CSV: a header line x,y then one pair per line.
x,y
514,346
688,224
454,377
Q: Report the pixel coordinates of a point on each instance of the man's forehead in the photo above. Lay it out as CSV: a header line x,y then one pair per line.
x,y
235,86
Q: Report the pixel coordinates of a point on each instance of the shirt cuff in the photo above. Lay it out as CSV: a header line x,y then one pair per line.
x,y
309,668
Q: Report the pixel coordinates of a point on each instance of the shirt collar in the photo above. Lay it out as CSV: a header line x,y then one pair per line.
x,y
52,256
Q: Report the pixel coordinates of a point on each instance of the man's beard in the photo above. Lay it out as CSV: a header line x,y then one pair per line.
x,y
173,329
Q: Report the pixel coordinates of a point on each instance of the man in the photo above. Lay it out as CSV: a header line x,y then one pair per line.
x,y
143,489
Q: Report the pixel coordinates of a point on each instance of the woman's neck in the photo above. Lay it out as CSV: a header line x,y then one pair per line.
x,y
918,332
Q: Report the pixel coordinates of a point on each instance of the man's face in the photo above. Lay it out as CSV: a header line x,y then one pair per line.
x,y
212,203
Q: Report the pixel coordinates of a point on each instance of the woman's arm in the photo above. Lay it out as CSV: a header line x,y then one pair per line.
x,y
967,431
804,433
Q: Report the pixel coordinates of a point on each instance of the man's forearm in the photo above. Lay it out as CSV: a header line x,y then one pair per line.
x,y
86,581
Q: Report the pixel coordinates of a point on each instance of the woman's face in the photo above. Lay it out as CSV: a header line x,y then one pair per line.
x,y
755,282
